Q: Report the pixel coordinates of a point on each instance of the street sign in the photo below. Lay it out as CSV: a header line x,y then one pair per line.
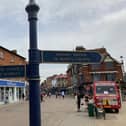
x,y
12,71
70,57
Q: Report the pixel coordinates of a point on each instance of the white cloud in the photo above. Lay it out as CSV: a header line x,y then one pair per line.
x,y
114,17
64,24
110,31
51,11
51,69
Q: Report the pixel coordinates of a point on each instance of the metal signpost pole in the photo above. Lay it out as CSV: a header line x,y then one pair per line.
x,y
33,67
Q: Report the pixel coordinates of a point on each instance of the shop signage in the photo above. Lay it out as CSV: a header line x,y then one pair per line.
x,y
12,71
8,83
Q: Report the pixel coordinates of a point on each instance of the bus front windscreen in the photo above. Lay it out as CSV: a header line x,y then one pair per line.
x,y
105,90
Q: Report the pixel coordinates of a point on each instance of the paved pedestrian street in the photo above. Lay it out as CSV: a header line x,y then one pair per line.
x,y
57,112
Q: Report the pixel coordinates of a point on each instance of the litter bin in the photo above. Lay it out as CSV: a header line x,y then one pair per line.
x,y
90,109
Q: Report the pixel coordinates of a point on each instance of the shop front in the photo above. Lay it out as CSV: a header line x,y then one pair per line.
x,y
11,91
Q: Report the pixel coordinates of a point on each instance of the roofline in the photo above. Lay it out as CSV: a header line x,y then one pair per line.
x,y
111,58
12,52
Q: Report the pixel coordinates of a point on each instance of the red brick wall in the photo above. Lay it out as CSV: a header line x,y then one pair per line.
x,y
11,59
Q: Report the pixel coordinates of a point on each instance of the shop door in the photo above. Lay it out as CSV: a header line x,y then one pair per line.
x,y
10,95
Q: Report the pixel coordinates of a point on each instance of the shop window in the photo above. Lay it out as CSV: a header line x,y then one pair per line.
x,y
1,94
81,78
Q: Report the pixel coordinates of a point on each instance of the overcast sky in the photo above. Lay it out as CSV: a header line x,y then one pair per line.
x,y
63,25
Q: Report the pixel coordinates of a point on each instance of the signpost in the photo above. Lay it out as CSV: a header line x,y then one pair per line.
x,y
70,57
36,56
34,79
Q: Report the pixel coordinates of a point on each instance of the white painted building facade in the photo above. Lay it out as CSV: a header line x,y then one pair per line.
x,y
11,91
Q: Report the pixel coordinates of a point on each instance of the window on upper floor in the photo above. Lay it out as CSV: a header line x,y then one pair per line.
x,y
95,66
110,76
109,65
1,55
96,77
12,59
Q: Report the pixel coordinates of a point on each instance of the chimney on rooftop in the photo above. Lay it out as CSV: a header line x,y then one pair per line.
x,y
14,51
80,48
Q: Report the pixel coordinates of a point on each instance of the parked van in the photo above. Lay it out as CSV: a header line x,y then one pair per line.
x,y
107,94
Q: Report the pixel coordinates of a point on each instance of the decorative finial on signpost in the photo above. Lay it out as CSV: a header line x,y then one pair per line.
x,y
32,9
32,2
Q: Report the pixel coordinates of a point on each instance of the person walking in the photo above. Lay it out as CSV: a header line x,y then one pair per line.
x,y
56,93
6,98
78,101
49,94
63,94
23,96
41,97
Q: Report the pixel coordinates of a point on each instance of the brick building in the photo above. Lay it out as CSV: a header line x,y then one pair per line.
x,y
8,57
60,80
108,69
49,81
11,88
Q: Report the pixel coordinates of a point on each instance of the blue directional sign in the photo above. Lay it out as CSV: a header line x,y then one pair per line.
x,y
70,57
12,71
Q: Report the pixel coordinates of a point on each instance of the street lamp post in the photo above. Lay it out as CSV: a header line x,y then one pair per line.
x,y
33,67
78,86
122,65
